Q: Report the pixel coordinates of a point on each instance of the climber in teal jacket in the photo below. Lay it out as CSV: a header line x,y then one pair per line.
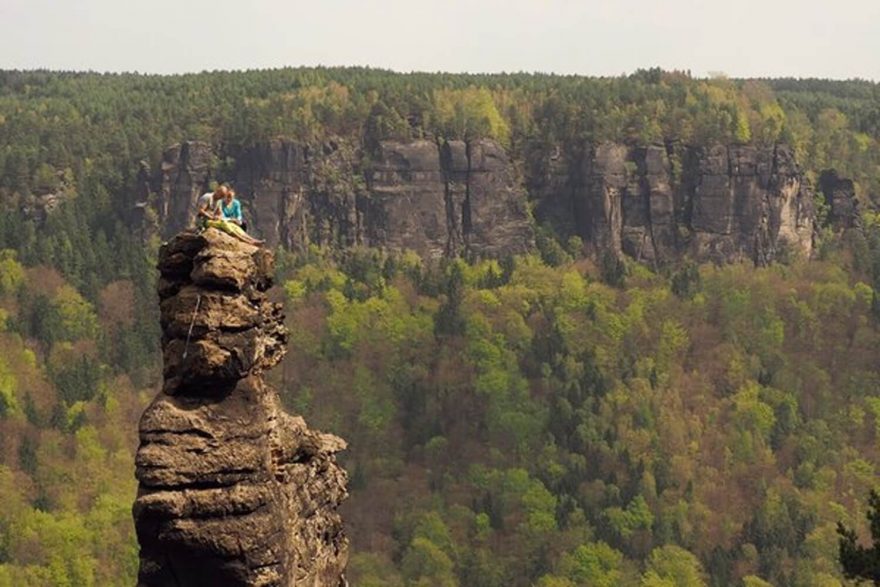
x,y
231,208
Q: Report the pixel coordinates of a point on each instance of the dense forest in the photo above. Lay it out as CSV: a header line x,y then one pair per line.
x,y
545,419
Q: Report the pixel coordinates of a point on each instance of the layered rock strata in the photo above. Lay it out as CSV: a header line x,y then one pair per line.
x,y
232,490
655,203
446,198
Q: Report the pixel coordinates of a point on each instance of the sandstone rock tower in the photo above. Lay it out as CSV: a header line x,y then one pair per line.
x,y
233,490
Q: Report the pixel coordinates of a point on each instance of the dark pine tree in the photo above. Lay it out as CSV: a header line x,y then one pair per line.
x,y
860,562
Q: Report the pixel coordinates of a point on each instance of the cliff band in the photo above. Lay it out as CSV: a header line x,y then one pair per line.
x,y
232,490
656,203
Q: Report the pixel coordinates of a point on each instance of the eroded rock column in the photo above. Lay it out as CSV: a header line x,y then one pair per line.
x,y
233,490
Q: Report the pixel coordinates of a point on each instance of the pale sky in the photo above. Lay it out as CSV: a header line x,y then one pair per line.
x,y
742,38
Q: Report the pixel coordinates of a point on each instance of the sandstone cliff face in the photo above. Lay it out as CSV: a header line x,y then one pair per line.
x,y
437,199
454,199
295,195
656,203
183,177
232,490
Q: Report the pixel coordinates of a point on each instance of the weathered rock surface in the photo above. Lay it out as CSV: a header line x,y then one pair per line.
x,y
658,202
183,177
437,199
655,203
840,195
295,195
232,490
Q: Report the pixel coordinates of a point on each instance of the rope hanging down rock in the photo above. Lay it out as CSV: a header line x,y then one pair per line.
x,y
191,324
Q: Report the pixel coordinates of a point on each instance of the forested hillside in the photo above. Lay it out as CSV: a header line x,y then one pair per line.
x,y
542,419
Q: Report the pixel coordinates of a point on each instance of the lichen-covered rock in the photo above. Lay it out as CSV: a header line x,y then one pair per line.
x,y
232,490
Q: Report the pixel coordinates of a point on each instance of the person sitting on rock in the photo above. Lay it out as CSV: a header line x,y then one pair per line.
x,y
212,211
231,208
207,206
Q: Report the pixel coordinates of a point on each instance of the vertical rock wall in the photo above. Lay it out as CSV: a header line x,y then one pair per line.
x,y
437,199
843,205
655,203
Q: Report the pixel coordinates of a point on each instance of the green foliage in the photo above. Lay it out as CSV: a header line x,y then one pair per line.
x,y
373,571
686,282
551,424
860,562
426,565
674,566
594,563
636,516
449,320
69,317
11,273
613,269
469,113
65,457
528,421
8,402
550,249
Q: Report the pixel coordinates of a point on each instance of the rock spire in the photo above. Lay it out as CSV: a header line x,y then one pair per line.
x,y
232,490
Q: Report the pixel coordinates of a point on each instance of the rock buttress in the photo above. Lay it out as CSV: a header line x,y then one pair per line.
x,y
658,203
232,490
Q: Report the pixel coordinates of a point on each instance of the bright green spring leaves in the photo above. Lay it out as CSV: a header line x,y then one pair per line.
x,y
67,435
518,424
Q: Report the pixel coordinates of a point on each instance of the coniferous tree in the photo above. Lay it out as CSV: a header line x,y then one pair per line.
x,y
861,562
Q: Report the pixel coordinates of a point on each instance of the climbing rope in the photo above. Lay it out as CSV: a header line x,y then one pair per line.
x,y
191,324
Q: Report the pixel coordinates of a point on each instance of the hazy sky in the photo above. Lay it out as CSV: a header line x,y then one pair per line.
x,y
802,38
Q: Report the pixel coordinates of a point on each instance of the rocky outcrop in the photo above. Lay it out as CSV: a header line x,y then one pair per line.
x,y
232,490
438,199
658,202
840,196
410,207
183,176
39,207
